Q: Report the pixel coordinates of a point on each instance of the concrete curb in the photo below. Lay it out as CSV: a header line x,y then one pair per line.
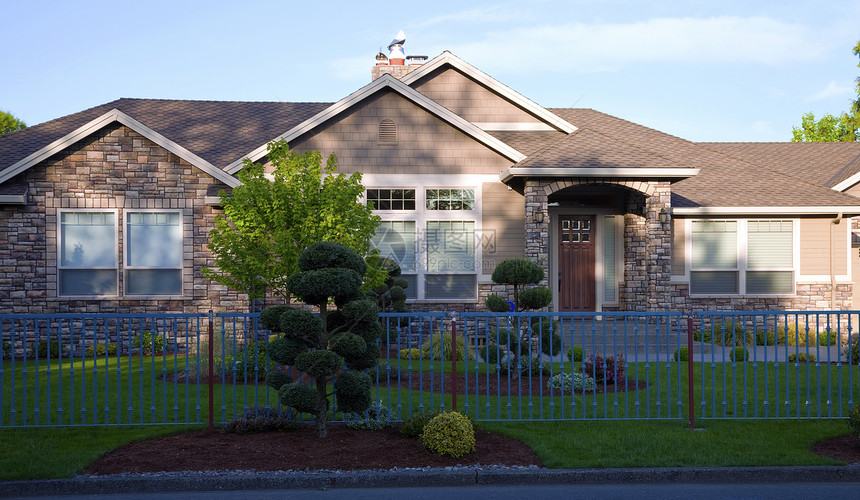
x,y
453,476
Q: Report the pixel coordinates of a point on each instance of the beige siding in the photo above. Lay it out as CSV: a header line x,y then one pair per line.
x,y
503,234
425,144
469,99
815,250
678,246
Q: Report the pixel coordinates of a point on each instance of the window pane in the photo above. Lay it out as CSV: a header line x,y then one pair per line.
x,y
770,244
87,240
450,199
450,246
153,282
715,245
391,199
713,282
450,286
412,289
396,240
154,240
87,282
770,282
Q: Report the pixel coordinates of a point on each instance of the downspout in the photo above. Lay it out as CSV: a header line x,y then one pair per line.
x,y
835,221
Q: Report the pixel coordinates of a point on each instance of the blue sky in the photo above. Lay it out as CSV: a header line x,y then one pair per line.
x,y
702,70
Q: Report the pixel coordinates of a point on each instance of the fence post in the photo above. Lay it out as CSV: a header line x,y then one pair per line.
x,y
211,378
453,361
690,371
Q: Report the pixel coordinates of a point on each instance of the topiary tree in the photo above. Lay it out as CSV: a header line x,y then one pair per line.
x,y
389,296
320,345
520,272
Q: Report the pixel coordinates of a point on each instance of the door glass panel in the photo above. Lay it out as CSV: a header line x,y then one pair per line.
x,y
565,237
576,225
565,225
585,237
586,225
575,237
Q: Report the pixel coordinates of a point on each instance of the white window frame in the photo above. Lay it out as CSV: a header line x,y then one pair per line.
x,y
60,267
127,248
742,257
421,216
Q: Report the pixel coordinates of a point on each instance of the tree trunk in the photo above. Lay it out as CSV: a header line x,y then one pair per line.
x,y
322,408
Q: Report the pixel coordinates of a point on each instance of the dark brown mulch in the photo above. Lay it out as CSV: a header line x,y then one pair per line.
x,y
301,449
844,448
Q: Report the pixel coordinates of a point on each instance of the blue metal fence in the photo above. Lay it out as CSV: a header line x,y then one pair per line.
x,y
146,369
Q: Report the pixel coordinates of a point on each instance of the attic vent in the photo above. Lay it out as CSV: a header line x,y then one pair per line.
x,y
387,132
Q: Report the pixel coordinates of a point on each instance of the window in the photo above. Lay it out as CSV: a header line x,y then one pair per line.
x,y
87,253
742,257
153,253
391,199
433,239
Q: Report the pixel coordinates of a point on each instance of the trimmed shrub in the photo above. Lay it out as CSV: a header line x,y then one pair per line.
x,y
320,363
260,419
567,382
327,254
550,341
449,433
682,354
610,369
535,298
497,304
410,353
42,348
303,325
414,425
492,352
575,354
276,380
284,350
739,354
100,349
353,391
854,420
303,398
270,317
801,357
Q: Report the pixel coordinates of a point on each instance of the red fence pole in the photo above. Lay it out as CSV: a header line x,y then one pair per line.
x,y
211,371
454,363
690,371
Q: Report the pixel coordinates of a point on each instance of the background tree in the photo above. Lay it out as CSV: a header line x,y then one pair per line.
x,y
321,345
9,123
842,128
268,221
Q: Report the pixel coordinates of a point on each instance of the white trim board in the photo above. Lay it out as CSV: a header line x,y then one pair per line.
x,y
508,93
768,211
102,121
512,172
381,83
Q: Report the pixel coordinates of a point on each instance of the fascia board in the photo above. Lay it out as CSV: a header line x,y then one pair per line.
x,y
102,121
13,199
367,91
833,210
502,89
664,172
847,183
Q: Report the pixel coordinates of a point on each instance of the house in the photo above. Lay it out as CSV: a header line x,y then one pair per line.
x,y
108,209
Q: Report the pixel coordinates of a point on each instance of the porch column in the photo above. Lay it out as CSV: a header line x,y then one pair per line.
x,y
537,226
659,246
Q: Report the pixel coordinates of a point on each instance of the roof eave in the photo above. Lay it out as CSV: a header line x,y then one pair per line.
x,y
834,210
655,172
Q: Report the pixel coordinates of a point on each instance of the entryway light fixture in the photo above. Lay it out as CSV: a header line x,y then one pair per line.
x,y
539,217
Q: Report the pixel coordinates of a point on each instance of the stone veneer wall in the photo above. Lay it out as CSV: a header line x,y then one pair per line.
x,y
115,168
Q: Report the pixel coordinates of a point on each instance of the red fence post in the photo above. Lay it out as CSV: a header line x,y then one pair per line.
x,y
211,371
690,371
454,362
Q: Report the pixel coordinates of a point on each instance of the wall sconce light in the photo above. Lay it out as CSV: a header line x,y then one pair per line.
x,y
539,217
662,216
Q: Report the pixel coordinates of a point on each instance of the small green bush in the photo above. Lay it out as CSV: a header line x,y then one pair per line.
x,y
100,349
577,381
260,419
854,420
682,354
851,351
432,348
43,348
492,352
740,354
449,433
575,354
414,425
535,298
801,358
410,353
147,343
497,304
375,418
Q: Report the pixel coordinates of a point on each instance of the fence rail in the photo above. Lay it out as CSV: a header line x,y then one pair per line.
x,y
147,369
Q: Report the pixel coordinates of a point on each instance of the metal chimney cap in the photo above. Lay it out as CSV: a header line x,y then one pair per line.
x,y
400,39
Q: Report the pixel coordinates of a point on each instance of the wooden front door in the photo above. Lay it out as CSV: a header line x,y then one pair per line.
x,y
576,285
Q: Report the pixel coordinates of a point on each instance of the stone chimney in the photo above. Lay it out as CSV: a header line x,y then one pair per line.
x,y
394,63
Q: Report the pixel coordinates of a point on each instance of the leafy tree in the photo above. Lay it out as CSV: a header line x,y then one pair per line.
x,y
269,220
842,128
9,123
320,345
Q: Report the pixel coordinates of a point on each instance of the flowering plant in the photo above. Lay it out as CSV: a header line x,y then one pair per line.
x,y
610,369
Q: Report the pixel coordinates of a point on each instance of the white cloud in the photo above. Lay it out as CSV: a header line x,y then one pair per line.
x,y
588,48
833,90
